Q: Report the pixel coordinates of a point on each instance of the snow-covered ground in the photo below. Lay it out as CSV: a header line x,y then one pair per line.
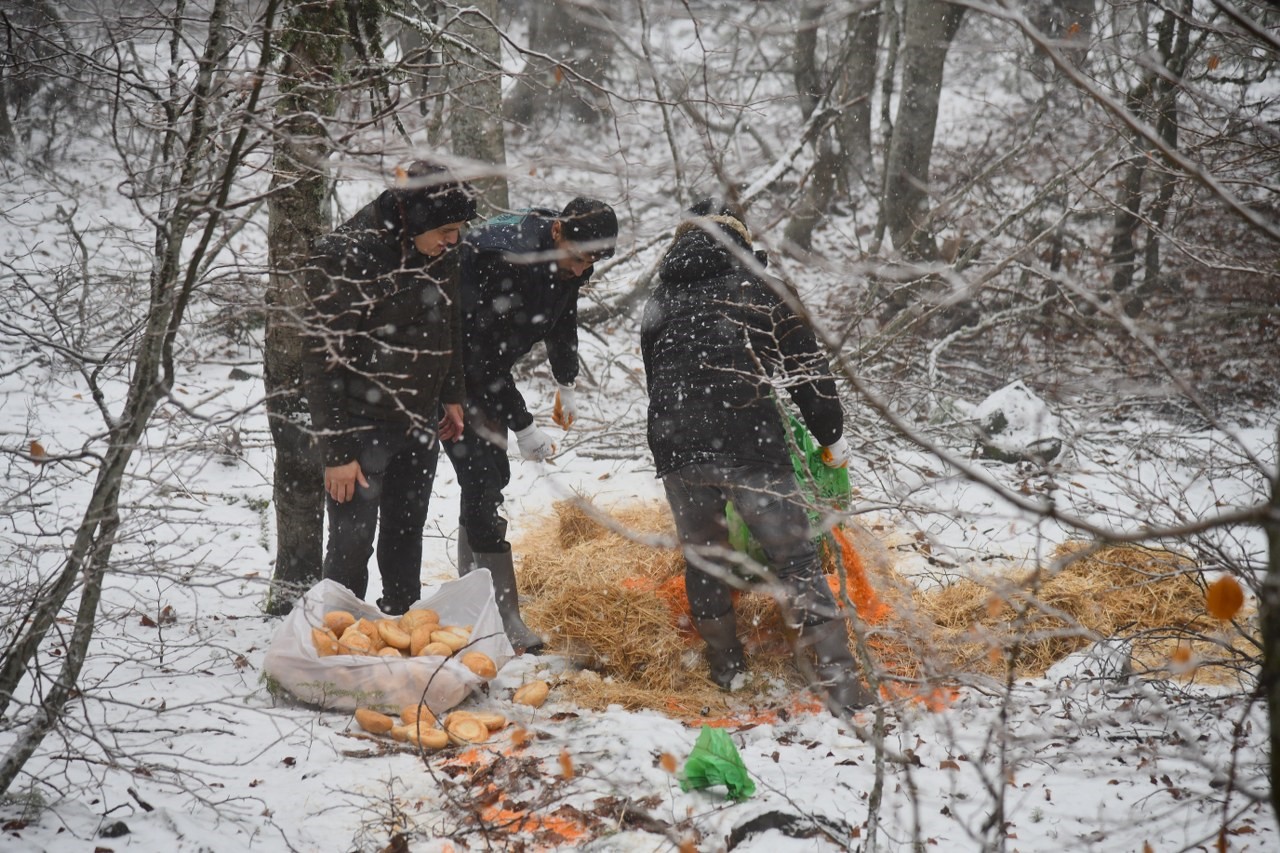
x,y
188,750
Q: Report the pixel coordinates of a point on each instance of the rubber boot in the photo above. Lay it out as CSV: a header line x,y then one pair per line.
x,y
466,561
834,667
502,568
724,650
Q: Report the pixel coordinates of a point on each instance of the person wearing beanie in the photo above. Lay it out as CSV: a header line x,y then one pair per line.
x,y
383,375
717,339
519,277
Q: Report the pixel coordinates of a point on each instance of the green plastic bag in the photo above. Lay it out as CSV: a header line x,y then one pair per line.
x,y
715,761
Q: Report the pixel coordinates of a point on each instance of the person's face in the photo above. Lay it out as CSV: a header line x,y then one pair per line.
x,y
433,243
571,261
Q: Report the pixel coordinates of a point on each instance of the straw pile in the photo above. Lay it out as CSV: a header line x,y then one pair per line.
x,y
1151,596
608,590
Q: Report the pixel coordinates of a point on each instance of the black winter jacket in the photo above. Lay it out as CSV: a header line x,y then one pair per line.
x,y
383,331
511,299
713,335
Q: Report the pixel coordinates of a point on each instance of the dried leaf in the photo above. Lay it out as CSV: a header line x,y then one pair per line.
x,y
566,764
668,762
37,451
1213,62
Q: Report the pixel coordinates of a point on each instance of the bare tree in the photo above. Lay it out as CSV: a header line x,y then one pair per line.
x,y
928,28
313,42
570,53
475,113
185,189
843,90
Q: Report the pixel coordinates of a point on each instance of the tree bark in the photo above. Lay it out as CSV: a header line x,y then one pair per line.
x,y
297,213
849,96
577,40
1269,611
929,26
1068,22
475,111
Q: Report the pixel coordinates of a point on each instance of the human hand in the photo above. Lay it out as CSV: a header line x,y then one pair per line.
x,y
836,455
535,445
340,480
452,422
565,410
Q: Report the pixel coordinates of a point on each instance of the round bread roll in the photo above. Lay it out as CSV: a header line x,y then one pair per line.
x,y
355,643
439,650
373,722
392,634
479,663
449,638
426,738
465,728
419,637
414,618
411,714
390,652
463,631
493,721
532,694
325,642
370,630
338,621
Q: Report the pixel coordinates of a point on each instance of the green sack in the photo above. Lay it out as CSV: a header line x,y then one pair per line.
x,y
819,484
715,761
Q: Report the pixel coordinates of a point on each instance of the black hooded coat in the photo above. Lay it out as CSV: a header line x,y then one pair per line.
x,y
512,298
385,330
717,338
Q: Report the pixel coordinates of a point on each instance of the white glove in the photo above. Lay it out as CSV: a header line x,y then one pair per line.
x,y
535,445
836,455
565,410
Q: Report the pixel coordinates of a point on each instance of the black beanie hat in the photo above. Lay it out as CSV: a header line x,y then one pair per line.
x,y
590,224
428,197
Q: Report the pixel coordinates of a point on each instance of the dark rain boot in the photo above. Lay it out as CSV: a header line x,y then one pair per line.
x,y
724,651
834,667
502,568
466,561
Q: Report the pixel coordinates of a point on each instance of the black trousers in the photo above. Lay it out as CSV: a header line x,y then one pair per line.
x,y
768,500
480,460
400,467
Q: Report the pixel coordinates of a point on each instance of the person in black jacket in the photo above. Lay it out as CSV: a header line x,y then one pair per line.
x,y
382,373
716,339
519,275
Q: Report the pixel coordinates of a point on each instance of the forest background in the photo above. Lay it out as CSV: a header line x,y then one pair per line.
x,y
1080,197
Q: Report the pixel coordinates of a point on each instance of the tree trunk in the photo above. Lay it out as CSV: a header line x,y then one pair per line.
x,y
577,39
1165,93
297,213
809,83
475,113
928,27
1068,22
860,81
849,96
1155,99
1269,610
